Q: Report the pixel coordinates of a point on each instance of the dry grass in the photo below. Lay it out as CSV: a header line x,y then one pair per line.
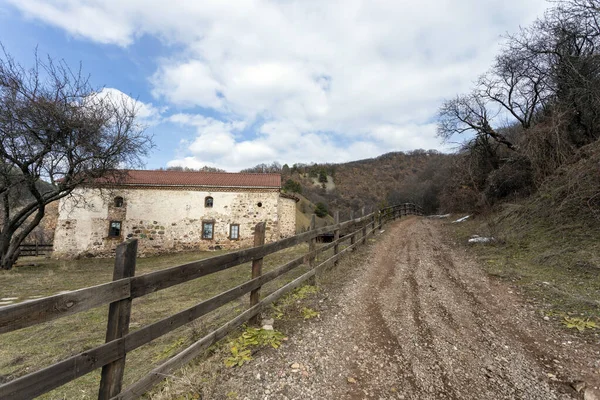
x,y
557,265
36,347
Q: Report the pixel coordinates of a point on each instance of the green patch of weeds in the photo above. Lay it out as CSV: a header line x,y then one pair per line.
x,y
304,291
169,350
579,323
309,313
252,338
277,311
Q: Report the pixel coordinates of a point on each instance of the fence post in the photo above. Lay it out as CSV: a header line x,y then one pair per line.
x,y
352,237
364,229
380,215
119,315
373,221
312,246
336,235
257,263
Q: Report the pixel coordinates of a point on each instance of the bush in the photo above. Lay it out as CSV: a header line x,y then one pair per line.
x,y
292,186
322,176
321,210
513,178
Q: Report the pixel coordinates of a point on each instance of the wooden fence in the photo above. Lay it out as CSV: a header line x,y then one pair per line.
x,y
126,286
36,249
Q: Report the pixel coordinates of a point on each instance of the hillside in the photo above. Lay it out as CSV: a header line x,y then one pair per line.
x,y
391,178
304,211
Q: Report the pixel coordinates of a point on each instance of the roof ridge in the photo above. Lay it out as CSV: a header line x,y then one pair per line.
x,y
202,172
199,178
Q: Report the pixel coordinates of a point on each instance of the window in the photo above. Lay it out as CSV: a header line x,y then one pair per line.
x,y
114,229
207,230
234,231
208,202
118,201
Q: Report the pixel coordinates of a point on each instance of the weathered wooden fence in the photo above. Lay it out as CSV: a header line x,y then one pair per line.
x,y
35,249
126,286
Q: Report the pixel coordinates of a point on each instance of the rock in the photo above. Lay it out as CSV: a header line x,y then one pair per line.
x,y
258,377
552,377
268,321
295,366
351,380
591,394
578,386
546,318
267,327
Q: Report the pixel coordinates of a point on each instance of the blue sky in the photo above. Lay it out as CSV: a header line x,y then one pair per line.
x,y
234,84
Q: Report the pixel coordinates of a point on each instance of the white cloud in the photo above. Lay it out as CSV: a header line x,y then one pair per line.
x,y
146,113
316,80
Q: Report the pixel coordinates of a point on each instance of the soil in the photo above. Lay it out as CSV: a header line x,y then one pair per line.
x,y
415,317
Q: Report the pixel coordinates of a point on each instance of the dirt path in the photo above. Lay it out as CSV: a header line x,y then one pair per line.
x,y
417,319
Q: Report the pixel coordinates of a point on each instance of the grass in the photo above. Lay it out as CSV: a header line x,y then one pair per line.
x,y
33,348
556,265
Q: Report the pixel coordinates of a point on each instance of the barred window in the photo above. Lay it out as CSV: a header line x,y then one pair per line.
x,y
234,231
114,229
207,230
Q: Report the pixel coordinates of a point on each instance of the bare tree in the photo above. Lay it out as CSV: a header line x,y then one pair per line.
x,y
566,44
470,113
56,134
518,83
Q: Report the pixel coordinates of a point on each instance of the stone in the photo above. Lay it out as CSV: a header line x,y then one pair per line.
x,y
267,327
591,394
578,386
351,380
295,366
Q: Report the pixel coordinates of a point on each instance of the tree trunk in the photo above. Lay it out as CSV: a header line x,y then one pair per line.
x,y
8,259
10,240
9,252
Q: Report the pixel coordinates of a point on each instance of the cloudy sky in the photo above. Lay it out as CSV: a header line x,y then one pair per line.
x,y
236,83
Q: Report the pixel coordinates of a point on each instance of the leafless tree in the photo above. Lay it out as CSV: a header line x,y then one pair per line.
x,y
518,84
56,134
566,44
470,114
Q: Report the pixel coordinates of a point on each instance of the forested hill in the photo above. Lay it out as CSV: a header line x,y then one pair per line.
x,y
390,178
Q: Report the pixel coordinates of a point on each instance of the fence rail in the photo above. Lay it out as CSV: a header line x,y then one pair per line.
x,y
126,286
36,249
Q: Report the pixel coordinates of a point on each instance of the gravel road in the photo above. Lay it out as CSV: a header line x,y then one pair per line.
x,y
416,318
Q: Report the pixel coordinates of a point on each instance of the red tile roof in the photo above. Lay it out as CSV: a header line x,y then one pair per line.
x,y
188,178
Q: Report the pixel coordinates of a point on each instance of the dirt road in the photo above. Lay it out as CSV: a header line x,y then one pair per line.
x,y
418,319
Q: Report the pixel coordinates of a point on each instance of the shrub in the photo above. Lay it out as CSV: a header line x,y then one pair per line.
x,y
292,186
321,210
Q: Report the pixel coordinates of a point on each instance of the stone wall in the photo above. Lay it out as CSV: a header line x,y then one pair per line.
x,y
167,220
287,217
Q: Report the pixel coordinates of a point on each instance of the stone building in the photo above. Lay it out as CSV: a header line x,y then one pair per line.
x,y
174,210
